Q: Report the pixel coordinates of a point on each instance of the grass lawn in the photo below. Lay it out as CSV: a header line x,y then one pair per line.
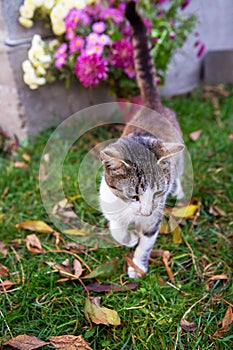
x,y
150,314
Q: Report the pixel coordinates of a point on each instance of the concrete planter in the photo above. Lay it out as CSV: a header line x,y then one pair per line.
x,y
26,112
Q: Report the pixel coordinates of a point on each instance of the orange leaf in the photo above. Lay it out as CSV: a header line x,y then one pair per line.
x,y
3,271
5,285
226,322
70,342
210,281
166,257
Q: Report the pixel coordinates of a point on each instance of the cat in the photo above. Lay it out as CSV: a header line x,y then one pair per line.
x,y
145,164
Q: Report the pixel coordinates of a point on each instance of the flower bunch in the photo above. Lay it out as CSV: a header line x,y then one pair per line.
x,y
93,41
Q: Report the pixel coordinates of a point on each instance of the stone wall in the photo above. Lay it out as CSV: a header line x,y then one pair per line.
x,y
25,112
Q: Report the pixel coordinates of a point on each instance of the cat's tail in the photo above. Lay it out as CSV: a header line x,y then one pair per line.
x,y
144,66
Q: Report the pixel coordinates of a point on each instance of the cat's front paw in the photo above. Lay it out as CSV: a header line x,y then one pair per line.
x,y
137,270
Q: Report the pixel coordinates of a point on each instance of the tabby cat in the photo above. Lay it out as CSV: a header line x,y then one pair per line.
x,y
145,163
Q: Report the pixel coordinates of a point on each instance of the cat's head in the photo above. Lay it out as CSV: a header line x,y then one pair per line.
x,y
139,172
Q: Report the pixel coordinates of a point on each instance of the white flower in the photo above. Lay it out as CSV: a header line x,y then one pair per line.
x,y
26,22
59,27
31,79
37,3
48,4
27,66
40,71
26,12
36,40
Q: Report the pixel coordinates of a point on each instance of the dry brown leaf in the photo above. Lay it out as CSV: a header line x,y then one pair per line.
x,y
5,191
71,342
26,157
18,164
75,247
195,135
100,315
212,279
33,244
96,287
25,342
77,268
166,256
188,326
37,226
5,285
64,268
130,262
3,271
216,211
157,253
226,322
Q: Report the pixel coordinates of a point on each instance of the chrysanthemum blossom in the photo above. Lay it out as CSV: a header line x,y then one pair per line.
x,y
75,17
76,44
98,27
91,69
60,61
61,50
92,39
104,39
121,54
130,71
97,48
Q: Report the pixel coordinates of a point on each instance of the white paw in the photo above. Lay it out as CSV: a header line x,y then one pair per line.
x,y
137,271
131,240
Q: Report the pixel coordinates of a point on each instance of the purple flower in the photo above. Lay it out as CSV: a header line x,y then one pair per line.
x,y
70,34
116,15
91,69
94,11
60,60
76,16
201,50
98,27
76,44
121,54
184,4
97,48
61,50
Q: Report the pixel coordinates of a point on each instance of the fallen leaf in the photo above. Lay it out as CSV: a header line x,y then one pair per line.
x,y
3,271
33,244
26,342
164,228
188,326
26,157
75,247
18,164
5,192
157,253
70,342
166,256
77,268
75,232
186,212
100,315
139,271
5,285
176,231
99,288
64,268
216,211
226,322
37,226
210,281
3,249
105,270
195,135
64,208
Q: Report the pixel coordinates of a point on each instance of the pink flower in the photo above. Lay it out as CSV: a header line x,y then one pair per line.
x,y
104,39
61,50
92,39
121,54
96,48
76,44
116,15
172,35
60,60
130,71
70,34
75,17
91,69
99,27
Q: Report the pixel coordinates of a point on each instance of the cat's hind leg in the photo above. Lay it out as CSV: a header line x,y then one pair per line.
x,y
121,234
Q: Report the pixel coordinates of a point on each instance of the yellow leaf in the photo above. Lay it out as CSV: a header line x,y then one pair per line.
x,y
36,226
100,315
176,235
185,212
75,232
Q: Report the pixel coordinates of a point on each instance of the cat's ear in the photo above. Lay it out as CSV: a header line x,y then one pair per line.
x,y
170,150
111,159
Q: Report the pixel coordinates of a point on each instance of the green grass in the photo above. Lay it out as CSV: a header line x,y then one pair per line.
x,y
151,314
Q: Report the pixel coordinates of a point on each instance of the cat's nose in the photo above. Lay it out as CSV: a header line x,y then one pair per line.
x,y
145,212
